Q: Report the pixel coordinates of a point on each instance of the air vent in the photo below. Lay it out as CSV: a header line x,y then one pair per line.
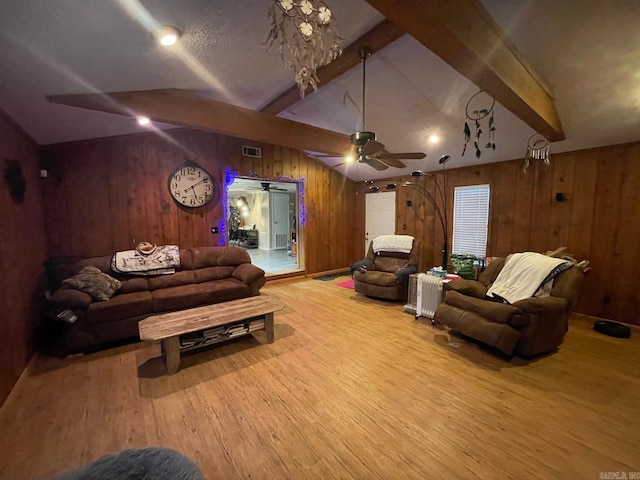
x,y
251,151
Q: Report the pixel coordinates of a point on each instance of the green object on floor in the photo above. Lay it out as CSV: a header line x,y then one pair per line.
x,y
463,265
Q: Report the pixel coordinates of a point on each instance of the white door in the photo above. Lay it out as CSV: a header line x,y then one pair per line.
x,y
280,220
380,216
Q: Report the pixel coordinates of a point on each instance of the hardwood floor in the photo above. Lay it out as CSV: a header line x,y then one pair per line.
x,y
351,388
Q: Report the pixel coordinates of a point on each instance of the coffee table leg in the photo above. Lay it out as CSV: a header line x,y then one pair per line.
x,y
171,348
269,326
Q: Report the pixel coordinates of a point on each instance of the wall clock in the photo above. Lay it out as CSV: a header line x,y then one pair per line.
x,y
192,186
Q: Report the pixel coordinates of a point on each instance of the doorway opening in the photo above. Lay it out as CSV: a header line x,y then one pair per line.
x,y
262,219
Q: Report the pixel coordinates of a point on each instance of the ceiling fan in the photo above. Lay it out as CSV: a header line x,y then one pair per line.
x,y
367,149
267,187
257,185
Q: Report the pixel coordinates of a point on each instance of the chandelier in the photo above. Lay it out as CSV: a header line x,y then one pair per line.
x,y
307,36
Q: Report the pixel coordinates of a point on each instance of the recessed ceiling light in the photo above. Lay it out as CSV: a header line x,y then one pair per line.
x,y
143,121
348,159
434,139
167,35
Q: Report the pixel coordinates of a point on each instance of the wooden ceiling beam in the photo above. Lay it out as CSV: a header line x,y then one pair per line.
x,y
464,35
377,38
180,107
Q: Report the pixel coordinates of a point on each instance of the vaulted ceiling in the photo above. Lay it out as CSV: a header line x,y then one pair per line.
x,y
565,68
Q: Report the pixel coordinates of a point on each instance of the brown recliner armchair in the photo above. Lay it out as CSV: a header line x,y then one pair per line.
x,y
528,327
385,274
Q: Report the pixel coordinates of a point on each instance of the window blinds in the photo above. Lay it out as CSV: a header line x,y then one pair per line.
x,y
470,220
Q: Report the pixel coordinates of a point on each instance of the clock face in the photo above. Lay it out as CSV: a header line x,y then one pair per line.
x,y
191,186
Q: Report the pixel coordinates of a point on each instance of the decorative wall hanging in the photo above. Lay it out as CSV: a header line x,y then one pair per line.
x,y
14,179
307,35
537,149
479,107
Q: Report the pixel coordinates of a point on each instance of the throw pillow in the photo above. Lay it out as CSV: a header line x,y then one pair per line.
x,y
92,281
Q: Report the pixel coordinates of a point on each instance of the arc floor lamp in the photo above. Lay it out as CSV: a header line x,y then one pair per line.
x,y
441,213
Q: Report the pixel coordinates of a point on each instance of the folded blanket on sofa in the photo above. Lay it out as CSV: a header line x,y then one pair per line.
x,y
393,243
162,261
522,275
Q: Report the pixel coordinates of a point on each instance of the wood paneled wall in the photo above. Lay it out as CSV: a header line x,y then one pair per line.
x,y
22,251
109,194
599,220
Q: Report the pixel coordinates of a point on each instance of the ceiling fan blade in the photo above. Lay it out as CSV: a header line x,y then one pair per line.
x,y
372,162
392,162
371,147
401,156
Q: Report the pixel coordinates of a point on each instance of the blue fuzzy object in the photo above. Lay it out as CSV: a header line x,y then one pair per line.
x,y
144,464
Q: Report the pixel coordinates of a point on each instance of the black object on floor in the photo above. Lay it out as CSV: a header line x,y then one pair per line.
x,y
332,276
613,329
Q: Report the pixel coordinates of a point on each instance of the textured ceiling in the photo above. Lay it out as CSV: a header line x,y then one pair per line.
x,y
586,52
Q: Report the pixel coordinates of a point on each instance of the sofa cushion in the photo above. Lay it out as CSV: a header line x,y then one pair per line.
x,y
92,281
492,311
248,273
133,284
208,274
373,277
472,288
489,274
186,260
185,277
499,335
70,298
390,264
177,298
119,307
224,290
212,256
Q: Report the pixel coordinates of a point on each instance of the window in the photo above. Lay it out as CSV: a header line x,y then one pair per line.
x,y
470,220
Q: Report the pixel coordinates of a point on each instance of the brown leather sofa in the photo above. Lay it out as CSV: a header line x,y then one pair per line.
x,y
206,275
385,274
528,327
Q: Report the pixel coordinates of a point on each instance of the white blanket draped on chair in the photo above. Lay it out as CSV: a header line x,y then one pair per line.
x,y
522,275
393,243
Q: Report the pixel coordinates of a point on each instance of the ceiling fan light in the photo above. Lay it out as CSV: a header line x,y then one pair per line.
x,y
167,35
434,138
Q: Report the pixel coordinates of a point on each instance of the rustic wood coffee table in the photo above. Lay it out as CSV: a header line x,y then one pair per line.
x,y
198,327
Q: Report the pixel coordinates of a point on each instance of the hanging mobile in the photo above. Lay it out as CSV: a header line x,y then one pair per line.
x,y
537,149
477,115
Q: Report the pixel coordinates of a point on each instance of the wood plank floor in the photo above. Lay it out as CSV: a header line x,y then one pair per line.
x,y
351,388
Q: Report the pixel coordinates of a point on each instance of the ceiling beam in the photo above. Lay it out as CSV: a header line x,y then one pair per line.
x,y
463,34
377,38
180,107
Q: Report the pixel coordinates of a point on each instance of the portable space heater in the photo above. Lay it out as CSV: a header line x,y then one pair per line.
x,y
425,294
